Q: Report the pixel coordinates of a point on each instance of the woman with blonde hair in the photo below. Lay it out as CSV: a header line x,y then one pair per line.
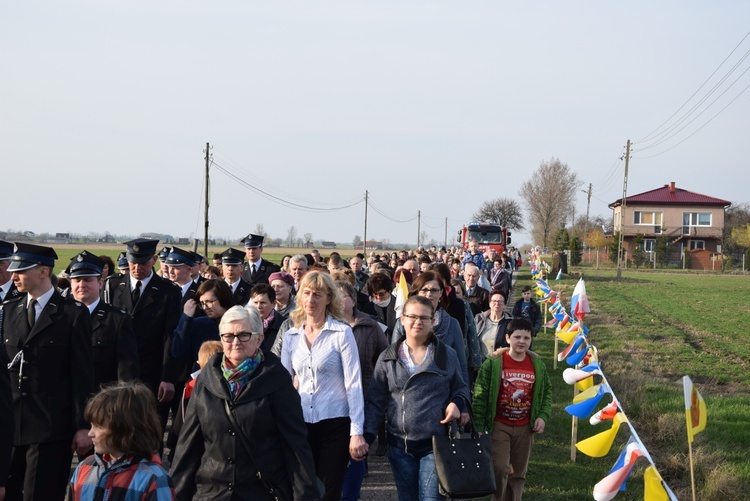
x,y
321,354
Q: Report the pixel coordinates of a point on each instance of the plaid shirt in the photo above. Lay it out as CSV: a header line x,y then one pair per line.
x,y
129,478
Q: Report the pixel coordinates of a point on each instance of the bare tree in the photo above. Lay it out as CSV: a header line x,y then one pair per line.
x,y
503,211
549,195
423,236
291,235
308,239
357,241
260,231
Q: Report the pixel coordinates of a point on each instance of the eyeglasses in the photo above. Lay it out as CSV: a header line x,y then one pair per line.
x,y
207,303
430,291
414,318
380,294
241,336
497,301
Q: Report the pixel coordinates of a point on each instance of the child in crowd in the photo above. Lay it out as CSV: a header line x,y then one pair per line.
x,y
528,308
513,400
207,350
126,431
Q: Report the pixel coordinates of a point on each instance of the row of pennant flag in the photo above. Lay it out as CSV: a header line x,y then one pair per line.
x,y
583,359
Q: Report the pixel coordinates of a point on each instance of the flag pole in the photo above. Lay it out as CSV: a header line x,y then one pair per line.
x,y
692,473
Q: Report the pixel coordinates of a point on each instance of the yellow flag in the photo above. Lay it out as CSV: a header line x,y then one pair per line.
x,y
653,490
599,445
567,337
586,394
695,409
402,294
585,384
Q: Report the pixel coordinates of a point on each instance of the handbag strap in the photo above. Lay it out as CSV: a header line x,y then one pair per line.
x,y
246,445
453,428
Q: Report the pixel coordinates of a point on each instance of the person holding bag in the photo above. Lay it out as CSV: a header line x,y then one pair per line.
x,y
417,384
512,400
244,436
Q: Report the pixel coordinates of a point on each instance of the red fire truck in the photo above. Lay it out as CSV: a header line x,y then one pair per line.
x,y
487,235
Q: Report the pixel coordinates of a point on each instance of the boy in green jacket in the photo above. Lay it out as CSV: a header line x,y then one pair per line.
x,y
513,400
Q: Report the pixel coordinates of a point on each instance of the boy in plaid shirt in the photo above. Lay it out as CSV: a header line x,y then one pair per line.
x,y
126,432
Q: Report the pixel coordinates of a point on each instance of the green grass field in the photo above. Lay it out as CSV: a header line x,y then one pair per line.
x,y
650,328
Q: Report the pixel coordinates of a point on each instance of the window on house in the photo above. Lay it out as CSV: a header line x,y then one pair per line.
x,y
647,218
696,219
697,244
649,244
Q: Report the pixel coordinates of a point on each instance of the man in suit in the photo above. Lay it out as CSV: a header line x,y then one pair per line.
x,y
180,263
231,268
48,342
478,297
153,304
113,346
7,288
257,270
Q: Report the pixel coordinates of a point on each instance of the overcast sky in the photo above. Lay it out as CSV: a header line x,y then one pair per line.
x,y
433,106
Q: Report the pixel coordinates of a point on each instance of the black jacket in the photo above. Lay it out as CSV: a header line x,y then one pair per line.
x,y
261,274
113,345
154,319
58,372
210,460
7,421
241,295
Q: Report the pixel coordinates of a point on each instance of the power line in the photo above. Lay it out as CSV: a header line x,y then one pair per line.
x,y
382,213
699,114
240,171
696,92
696,131
279,200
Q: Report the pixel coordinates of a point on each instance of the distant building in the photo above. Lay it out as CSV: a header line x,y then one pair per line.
x,y
689,220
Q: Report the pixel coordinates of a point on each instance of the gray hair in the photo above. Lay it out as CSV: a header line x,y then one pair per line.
x,y
298,258
249,315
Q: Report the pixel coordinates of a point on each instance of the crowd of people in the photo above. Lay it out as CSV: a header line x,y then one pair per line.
x,y
269,381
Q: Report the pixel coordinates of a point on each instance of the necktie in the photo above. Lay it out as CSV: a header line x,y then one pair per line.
x,y
252,273
470,292
137,292
31,313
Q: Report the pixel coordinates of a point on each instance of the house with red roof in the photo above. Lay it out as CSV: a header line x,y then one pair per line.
x,y
689,220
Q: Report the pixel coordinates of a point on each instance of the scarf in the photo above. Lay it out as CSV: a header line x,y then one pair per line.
x,y
237,377
268,320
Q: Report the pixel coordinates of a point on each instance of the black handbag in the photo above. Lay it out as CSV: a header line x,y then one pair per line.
x,y
464,465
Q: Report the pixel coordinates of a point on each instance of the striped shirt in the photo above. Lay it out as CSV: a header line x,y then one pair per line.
x,y
330,380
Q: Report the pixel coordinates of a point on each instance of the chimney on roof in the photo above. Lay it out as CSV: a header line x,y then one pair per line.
x,y
671,187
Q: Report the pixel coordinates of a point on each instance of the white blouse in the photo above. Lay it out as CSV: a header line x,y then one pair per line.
x,y
328,373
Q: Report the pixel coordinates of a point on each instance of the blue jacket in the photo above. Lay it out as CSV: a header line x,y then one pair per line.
x,y
413,405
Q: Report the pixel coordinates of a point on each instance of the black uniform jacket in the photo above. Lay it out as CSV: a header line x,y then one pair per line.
x,y
55,377
210,460
154,320
241,295
261,274
113,345
7,422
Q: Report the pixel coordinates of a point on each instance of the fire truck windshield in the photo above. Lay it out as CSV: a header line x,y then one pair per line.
x,y
486,235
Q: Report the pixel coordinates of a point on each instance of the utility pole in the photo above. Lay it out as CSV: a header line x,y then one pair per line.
x,y
588,207
445,241
419,227
205,215
364,242
622,211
